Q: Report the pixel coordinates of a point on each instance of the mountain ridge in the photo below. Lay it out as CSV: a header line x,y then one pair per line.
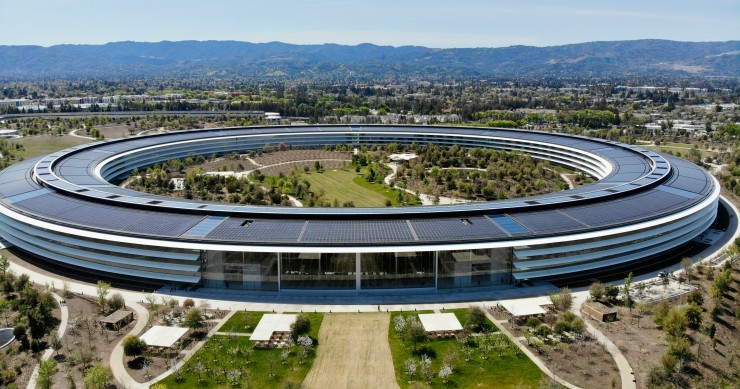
x,y
599,59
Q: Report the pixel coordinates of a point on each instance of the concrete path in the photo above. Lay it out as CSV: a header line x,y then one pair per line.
x,y
625,370
60,333
537,361
425,198
74,133
116,362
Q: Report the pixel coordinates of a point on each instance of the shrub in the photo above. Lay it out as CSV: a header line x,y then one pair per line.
x,y
300,326
695,297
477,319
597,291
116,302
693,315
188,303
562,299
611,292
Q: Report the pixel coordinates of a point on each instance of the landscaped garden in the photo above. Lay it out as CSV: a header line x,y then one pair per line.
x,y
234,361
477,357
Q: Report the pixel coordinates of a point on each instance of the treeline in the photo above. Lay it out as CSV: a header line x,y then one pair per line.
x,y
196,184
480,174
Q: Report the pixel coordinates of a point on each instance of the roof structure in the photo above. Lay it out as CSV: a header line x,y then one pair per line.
x,y
527,307
434,322
163,336
116,316
271,323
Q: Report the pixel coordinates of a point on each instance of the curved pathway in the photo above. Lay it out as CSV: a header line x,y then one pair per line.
x,y
60,333
625,370
74,133
116,362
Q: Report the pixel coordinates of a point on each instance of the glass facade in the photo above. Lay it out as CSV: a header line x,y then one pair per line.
x,y
240,270
318,270
354,271
473,268
397,270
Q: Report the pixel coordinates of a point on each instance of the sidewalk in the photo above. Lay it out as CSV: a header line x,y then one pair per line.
x,y
529,354
625,370
116,362
60,333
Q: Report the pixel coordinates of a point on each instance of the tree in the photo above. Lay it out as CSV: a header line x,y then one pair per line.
x,y
675,323
133,346
626,297
477,319
416,333
193,319
693,315
597,290
444,373
4,265
426,367
97,377
54,342
409,368
47,369
102,289
686,264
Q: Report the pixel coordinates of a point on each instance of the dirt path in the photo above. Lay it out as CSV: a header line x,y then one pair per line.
x,y
353,353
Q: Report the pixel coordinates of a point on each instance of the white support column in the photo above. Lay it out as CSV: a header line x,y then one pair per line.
x,y
358,273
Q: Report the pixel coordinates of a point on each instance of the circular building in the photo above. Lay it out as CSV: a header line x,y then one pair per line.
x,y
65,211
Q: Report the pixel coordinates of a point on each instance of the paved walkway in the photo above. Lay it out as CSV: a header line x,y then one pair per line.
x,y
74,133
625,370
60,333
537,361
116,362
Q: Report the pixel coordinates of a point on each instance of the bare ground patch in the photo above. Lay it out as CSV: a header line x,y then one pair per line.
x,y
353,353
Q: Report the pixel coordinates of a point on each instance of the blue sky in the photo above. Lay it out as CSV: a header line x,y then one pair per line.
x,y
432,23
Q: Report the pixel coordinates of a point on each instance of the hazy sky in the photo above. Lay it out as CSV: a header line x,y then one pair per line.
x,y
432,23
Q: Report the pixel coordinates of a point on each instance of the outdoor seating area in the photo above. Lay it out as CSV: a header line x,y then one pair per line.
x,y
440,325
521,310
117,319
162,338
273,330
279,339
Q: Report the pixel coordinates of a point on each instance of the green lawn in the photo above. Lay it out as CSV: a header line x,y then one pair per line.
x,y
504,365
463,314
683,148
46,144
223,357
243,322
346,185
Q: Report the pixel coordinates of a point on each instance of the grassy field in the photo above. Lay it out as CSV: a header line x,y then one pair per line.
x,y
502,366
46,144
346,185
231,361
354,353
683,148
463,314
242,322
